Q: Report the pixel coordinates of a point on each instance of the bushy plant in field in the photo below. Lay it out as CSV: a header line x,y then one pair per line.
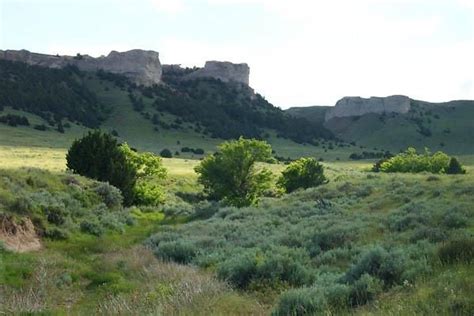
x,y
98,156
411,161
364,289
455,167
92,227
388,266
329,239
302,173
458,249
147,193
230,174
181,252
111,196
299,302
148,168
271,267
166,153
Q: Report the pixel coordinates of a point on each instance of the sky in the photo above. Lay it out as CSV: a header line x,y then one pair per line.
x,y
300,52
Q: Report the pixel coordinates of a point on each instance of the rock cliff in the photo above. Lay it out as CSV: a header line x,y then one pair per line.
x,y
357,106
223,70
142,66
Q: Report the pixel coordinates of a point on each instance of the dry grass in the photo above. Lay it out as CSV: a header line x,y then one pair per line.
x,y
170,289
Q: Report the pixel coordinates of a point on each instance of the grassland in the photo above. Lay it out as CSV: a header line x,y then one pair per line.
x,y
191,256
412,216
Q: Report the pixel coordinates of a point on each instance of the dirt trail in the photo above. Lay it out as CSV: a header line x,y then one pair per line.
x,y
18,236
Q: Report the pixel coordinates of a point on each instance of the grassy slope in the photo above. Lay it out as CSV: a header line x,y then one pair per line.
x,y
139,132
398,132
114,275
110,274
367,205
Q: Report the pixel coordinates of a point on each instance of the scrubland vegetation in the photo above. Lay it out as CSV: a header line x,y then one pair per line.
x,y
250,228
347,241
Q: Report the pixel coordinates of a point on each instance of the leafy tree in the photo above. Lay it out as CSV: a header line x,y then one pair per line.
x,y
166,153
148,168
231,174
98,156
302,173
455,167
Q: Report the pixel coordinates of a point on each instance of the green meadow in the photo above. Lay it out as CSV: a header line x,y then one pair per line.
x,y
194,257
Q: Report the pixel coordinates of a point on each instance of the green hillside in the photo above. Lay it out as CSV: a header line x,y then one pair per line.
x,y
198,114
445,126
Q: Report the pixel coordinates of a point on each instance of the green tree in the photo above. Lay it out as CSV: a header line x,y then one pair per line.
x,y
455,167
149,169
98,156
302,173
166,153
231,174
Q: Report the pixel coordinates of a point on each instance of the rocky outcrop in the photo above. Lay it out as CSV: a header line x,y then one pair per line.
x,y
223,70
142,66
357,106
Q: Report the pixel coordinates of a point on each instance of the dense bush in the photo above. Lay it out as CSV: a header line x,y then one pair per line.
x,y
302,173
98,156
92,227
460,249
272,267
14,120
299,302
378,262
410,161
455,167
149,169
166,153
230,174
181,252
111,196
364,289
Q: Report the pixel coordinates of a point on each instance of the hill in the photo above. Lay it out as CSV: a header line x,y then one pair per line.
x,y
179,114
439,126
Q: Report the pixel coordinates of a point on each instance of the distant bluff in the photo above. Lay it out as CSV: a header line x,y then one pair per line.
x,y
142,66
357,106
223,70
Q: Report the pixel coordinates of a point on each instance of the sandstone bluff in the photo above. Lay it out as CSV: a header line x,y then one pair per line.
x,y
141,66
357,106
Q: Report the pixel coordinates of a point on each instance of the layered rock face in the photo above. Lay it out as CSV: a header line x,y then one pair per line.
x,y
223,70
142,66
357,106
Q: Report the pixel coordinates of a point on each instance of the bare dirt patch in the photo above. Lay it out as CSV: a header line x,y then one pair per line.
x,y
18,235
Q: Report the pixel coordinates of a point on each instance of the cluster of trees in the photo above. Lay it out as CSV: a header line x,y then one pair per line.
x,y
196,151
370,155
230,175
411,161
233,176
52,94
98,156
229,111
14,120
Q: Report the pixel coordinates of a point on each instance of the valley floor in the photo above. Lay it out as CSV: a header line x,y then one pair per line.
x,y
190,258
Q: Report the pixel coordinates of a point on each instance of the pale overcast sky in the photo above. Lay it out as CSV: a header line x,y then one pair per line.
x,y
301,52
